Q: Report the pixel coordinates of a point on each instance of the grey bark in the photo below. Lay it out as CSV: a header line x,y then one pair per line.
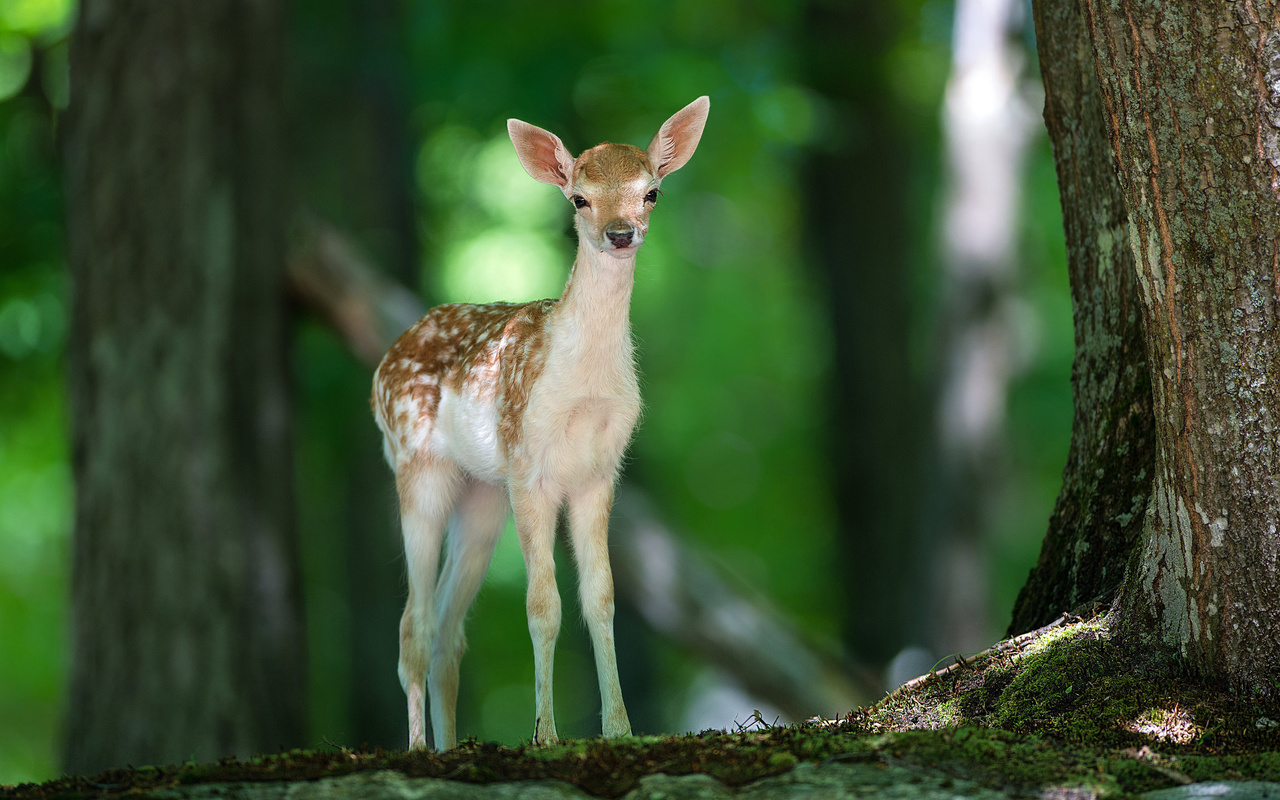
x,y
1190,93
187,639
1107,479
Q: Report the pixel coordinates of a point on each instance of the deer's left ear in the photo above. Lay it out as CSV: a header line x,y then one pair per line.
x,y
678,137
542,154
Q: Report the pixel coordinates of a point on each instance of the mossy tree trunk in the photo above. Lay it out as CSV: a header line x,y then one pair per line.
x,y
1191,93
187,638
1098,517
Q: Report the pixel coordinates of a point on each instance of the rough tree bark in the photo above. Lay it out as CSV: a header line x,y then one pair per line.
x,y
1191,93
1107,479
187,638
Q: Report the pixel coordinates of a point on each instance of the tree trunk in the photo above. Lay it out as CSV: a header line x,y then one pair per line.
x,y
1191,93
349,82
856,188
987,125
1107,480
187,638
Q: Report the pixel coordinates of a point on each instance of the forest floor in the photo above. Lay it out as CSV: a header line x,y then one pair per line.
x,y
1057,713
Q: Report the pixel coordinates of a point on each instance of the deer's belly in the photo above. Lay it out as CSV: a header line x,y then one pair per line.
x,y
467,433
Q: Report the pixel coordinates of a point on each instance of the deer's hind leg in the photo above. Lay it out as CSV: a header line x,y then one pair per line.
x,y
477,525
427,489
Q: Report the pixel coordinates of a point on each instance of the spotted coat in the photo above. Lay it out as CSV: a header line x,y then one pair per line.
x,y
491,353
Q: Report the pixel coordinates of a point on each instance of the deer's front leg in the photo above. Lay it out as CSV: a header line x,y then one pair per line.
x,y
589,529
535,515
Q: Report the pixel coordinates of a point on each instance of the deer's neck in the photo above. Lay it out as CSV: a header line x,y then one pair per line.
x,y
593,317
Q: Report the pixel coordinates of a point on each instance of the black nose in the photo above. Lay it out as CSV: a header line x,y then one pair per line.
x,y
620,237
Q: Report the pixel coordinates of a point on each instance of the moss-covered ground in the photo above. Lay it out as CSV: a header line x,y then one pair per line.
x,y
1063,708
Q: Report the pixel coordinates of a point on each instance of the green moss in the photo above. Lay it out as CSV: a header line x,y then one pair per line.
x,y
949,713
1000,758
1064,710
1075,690
782,760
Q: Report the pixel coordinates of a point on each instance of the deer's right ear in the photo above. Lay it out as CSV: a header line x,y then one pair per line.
x,y
542,154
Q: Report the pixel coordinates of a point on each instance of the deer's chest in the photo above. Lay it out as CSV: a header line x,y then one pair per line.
x,y
578,424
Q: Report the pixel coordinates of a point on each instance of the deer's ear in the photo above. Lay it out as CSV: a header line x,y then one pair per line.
x,y
541,153
678,137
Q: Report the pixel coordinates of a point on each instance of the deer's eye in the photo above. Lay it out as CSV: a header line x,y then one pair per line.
x,y
652,196
579,201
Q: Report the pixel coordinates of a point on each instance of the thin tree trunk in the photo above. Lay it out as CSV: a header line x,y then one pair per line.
x,y
1107,479
349,80
187,638
1191,93
374,553
987,127
861,234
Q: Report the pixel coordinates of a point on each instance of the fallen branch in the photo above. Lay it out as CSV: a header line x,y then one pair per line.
x,y
361,304
678,592
684,597
1005,646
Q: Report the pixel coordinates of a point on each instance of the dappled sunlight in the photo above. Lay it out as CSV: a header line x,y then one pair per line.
x,y
501,240
507,192
502,265
15,64
36,17
1173,725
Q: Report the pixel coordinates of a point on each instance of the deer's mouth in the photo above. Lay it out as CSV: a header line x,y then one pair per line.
x,y
621,251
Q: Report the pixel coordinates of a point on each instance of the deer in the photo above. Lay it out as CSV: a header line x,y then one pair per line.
x,y
524,409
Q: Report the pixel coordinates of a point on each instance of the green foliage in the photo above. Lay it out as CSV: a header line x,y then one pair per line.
x,y
35,485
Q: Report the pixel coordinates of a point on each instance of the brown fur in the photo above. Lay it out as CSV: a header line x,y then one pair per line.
x,y
609,160
460,345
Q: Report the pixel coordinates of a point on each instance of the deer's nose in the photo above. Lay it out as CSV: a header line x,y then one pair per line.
x,y
620,233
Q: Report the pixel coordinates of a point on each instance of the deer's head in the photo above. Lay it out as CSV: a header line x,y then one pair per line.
x,y
613,187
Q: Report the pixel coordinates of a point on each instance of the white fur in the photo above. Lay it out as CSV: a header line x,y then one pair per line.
x,y
466,432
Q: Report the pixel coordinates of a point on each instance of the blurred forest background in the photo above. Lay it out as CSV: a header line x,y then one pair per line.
x,y
852,313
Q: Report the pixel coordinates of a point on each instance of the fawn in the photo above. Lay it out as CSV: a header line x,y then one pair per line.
x,y
527,407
